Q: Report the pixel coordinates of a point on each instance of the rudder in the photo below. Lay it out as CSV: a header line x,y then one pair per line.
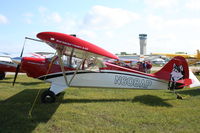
x,y
176,69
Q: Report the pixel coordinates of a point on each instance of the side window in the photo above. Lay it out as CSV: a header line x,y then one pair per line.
x,y
69,62
92,64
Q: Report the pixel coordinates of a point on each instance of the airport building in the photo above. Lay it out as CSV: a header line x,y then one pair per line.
x,y
143,43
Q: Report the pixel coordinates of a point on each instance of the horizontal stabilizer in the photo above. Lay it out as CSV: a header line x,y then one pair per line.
x,y
185,82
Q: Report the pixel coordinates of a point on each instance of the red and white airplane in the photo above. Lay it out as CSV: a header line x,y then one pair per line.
x,y
78,63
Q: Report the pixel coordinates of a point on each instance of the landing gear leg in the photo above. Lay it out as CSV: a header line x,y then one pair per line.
x,y
178,96
171,86
48,97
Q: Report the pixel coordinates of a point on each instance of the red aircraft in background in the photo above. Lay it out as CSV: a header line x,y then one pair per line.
x,y
9,64
78,63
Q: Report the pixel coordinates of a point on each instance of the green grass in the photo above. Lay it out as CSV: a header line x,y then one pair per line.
x,y
97,110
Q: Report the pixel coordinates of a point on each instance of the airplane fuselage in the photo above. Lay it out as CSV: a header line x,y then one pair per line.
x,y
111,76
107,79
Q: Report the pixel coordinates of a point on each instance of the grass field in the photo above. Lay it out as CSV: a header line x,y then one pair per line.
x,y
98,110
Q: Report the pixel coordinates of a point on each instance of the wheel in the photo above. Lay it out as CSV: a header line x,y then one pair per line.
x,y
2,75
48,97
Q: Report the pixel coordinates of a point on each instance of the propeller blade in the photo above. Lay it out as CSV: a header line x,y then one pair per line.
x,y
23,48
16,73
19,64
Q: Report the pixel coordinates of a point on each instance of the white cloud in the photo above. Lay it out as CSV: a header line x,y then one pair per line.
x,y
3,19
55,17
68,24
101,17
161,3
49,17
186,23
160,23
193,4
178,34
106,27
42,10
155,22
109,34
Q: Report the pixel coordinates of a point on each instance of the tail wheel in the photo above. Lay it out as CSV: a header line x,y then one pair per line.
x,y
2,75
48,97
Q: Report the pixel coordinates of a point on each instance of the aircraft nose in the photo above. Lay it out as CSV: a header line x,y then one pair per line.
x,y
17,60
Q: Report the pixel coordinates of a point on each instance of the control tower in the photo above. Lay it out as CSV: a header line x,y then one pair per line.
x,y
143,43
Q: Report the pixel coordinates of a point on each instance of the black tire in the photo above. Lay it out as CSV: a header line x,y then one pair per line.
x,y
2,75
48,97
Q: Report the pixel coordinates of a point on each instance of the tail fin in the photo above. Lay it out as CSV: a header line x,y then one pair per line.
x,y
176,69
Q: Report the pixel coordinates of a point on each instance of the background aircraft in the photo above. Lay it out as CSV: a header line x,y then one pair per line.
x,y
192,59
9,64
6,65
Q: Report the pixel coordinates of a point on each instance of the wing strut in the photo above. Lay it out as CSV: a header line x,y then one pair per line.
x,y
70,57
77,68
62,66
33,39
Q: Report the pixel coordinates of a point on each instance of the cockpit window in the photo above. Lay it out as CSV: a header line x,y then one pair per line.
x,y
70,60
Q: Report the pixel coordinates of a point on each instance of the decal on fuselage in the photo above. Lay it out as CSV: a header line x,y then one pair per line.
x,y
132,82
176,74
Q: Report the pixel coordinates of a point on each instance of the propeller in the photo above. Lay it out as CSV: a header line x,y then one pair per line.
x,y
18,63
19,59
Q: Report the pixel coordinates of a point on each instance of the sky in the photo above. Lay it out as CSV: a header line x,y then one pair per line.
x,y
171,25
